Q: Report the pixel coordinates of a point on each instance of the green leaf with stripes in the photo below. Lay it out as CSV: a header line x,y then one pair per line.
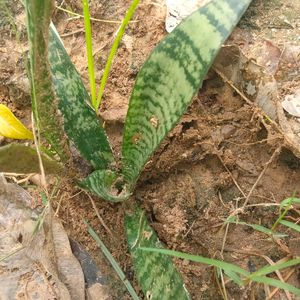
x,y
44,102
80,121
171,76
107,184
155,272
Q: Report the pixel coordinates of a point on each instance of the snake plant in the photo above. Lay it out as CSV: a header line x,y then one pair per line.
x,y
164,88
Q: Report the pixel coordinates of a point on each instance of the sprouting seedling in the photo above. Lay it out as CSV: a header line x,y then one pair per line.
x,y
96,101
285,206
236,273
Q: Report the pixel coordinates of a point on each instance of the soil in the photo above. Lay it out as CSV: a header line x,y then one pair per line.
x,y
220,157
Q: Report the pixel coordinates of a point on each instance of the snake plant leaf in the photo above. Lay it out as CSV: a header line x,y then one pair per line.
x,y
155,272
106,184
18,158
11,127
171,77
44,102
80,121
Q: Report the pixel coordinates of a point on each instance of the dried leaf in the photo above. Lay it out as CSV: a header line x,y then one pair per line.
x,y
11,127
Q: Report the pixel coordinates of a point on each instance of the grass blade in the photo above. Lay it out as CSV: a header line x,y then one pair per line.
x,y
288,202
270,269
114,48
200,259
256,227
89,50
232,270
234,277
278,284
113,262
290,225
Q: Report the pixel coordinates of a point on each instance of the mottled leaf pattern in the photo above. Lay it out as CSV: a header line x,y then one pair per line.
x,y
171,76
106,184
155,272
80,121
44,102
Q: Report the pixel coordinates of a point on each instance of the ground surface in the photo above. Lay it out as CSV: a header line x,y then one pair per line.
x,y
206,167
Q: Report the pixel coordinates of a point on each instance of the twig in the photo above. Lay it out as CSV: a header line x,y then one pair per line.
x,y
26,178
37,146
92,19
233,179
59,205
73,32
99,217
224,239
248,101
223,285
275,153
254,143
189,229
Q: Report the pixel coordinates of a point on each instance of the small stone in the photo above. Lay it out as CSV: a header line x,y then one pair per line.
x,y
227,131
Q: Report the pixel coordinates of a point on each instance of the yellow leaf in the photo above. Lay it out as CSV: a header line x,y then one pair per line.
x,y
11,127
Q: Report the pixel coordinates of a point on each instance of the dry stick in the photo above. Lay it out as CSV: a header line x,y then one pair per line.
x,y
220,287
185,235
99,217
263,204
26,178
37,146
224,240
14,174
233,179
223,286
248,101
73,32
254,143
58,205
275,153
221,199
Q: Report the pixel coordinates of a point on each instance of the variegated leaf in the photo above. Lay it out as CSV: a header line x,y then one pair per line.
x,y
80,121
155,272
106,184
171,76
44,102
